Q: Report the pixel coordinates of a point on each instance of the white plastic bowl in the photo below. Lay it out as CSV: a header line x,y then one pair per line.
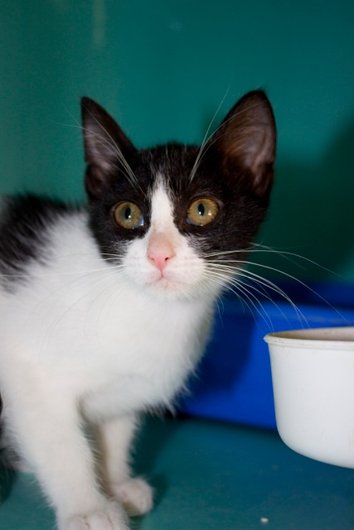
x,y
313,383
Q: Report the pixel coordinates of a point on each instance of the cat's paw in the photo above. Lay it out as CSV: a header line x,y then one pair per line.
x,y
107,518
135,494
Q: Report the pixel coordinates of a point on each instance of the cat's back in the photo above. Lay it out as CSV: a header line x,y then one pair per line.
x,y
28,225
45,254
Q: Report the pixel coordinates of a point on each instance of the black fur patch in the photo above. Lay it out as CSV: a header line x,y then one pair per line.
x,y
24,222
234,166
241,209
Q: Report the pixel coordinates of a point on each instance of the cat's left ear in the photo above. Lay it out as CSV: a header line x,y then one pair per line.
x,y
107,149
246,140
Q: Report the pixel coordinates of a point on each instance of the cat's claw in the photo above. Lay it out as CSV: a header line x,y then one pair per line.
x,y
109,518
135,494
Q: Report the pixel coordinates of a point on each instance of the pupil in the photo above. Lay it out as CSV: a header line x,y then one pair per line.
x,y
201,209
128,213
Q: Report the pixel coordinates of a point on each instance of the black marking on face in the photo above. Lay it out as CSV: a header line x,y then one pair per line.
x,y
234,169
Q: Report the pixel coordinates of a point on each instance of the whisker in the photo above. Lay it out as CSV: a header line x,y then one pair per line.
x,y
276,289
107,140
207,136
222,283
268,250
286,275
94,284
232,284
264,282
127,171
210,141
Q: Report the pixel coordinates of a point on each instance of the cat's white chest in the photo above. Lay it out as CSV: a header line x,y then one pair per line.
x,y
97,338
138,351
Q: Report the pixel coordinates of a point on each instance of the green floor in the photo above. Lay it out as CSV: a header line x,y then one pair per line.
x,y
214,476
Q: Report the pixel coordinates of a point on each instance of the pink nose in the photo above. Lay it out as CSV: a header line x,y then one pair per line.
x,y
160,250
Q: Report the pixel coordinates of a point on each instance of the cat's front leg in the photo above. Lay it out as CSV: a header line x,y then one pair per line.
x,y
115,438
47,427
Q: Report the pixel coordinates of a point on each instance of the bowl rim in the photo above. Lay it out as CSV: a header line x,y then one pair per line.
x,y
325,338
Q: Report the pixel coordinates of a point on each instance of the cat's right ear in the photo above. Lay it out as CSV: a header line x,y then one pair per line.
x,y
107,149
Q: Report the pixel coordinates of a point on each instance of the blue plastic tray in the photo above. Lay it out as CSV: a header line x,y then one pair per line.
x,y
233,382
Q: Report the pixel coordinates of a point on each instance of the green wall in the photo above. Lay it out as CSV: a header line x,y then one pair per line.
x,y
162,68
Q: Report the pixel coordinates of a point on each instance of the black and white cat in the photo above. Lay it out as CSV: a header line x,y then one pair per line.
x,y
105,310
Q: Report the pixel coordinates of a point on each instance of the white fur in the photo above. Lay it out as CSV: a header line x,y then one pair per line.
x,y
88,340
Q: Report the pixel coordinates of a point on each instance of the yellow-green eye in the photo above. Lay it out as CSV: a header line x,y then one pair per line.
x,y
128,215
202,211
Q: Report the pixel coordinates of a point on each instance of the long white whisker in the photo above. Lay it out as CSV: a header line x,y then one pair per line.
x,y
207,136
209,141
242,297
289,276
275,288
268,250
109,142
117,150
233,283
265,282
124,166
95,282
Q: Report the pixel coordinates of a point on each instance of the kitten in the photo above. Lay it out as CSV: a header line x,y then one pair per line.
x,y
106,309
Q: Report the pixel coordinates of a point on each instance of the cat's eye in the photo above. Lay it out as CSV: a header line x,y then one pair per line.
x,y
128,215
202,211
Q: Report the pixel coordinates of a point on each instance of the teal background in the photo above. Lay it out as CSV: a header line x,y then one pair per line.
x,y
162,67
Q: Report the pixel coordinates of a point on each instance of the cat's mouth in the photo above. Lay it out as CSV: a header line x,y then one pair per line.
x,y
171,282
166,283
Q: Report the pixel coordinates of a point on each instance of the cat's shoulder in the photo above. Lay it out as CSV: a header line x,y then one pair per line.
x,y
30,209
26,220
27,223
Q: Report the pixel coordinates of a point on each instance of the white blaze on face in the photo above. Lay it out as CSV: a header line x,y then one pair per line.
x,y
163,257
163,238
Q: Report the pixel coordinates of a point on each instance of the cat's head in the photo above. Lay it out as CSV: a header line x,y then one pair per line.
x,y
177,220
